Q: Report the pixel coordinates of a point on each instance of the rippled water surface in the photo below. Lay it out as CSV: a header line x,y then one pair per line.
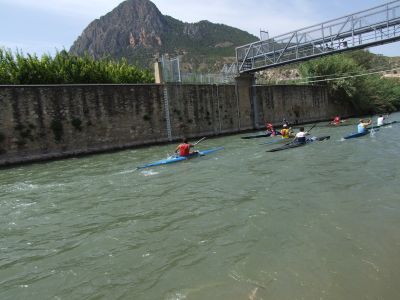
x,y
316,222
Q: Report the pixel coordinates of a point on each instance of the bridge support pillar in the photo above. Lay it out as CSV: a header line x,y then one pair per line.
x,y
159,78
246,104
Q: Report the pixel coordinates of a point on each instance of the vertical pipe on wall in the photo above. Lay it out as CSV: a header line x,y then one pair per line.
x,y
256,112
237,103
219,111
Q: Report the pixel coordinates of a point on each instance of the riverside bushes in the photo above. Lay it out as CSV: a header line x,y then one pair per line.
x,y
356,77
64,68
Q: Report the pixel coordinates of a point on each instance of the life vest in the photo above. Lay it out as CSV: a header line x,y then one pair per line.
x,y
336,120
285,133
184,149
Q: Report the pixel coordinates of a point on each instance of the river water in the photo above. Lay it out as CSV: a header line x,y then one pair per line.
x,y
316,222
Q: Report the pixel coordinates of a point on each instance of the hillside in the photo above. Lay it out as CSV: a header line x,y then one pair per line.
x,y
138,31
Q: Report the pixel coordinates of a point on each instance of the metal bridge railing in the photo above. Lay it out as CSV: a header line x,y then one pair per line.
x,y
378,25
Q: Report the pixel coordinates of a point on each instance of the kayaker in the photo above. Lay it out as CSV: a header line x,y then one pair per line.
x,y
184,148
336,120
270,129
362,125
300,137
285,132
380,120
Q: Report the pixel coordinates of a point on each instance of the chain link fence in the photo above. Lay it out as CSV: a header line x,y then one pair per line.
x,y
171,72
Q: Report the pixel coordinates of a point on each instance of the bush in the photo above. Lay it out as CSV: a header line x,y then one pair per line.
x,y
369,93
67,69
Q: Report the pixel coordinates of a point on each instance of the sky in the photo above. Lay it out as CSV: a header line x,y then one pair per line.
x,y
45,26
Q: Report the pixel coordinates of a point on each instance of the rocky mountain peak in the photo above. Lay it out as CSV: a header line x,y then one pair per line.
x,y
137,31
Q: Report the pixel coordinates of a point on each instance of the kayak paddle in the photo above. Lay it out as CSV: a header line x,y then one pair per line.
x,y
312,127
203,138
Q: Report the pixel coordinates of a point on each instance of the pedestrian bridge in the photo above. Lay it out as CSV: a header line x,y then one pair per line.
x,y
371,27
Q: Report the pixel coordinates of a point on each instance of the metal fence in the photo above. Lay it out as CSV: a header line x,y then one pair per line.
x,y
172,73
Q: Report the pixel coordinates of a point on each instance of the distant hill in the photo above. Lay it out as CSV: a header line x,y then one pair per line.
x,y
138,31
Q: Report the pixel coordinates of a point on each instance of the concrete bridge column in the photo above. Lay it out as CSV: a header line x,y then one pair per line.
x,y
158,76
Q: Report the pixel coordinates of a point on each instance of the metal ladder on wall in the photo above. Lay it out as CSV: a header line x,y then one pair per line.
x,y
167,116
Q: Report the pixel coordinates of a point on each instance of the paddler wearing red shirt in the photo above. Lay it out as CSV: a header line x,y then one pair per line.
x,y
336,120
270,128
184,148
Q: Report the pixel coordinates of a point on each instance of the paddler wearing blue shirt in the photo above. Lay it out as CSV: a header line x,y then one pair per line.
x,y
362,125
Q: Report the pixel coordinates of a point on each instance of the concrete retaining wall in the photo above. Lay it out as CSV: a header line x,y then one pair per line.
x,y
295,103
45,122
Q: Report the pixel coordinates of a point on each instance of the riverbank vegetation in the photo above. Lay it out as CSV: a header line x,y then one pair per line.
x,y
357,77
64,68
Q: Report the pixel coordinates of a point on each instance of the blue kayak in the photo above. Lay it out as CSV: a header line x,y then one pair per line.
x,y
356,135
178,158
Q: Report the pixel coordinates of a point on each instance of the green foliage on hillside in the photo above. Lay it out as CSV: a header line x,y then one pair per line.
x,y
353,78
202,43
66,69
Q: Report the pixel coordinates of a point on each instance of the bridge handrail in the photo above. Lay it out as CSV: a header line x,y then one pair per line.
x,y
332,20
324,40
353,27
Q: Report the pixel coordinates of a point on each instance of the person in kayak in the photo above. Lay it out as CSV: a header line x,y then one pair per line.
x,y
300,137
336,120
184,148
285,132
270,129
362,125
380,121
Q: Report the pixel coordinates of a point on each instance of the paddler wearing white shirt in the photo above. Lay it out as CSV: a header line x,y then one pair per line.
x,y
300,136
380,120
